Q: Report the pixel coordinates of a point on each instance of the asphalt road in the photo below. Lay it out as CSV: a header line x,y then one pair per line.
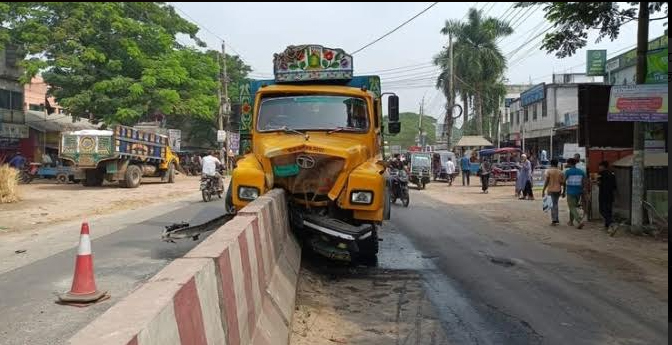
x,y
123,260
491,286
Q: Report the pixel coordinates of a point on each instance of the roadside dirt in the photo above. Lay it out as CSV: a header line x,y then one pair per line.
x,y
47,203
367,306
643,260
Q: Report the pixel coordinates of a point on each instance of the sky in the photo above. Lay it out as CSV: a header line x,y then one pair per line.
x,y
255,31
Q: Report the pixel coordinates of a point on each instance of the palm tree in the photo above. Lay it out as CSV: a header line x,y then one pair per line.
x,y
478,61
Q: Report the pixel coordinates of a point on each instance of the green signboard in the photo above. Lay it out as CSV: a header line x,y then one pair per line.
x,y
595,62
656,66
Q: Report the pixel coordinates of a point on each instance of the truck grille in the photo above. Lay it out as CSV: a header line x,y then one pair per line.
x,y
315,181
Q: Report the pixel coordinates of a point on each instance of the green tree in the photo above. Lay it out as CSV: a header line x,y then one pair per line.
x,y
113,61
573,21
409,130
478,61
201,131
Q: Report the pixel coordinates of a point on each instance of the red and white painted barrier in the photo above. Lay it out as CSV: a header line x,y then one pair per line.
x,y
237,287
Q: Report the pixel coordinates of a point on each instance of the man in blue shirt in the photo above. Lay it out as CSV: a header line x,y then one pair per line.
x,y
465,165
18,162
573,189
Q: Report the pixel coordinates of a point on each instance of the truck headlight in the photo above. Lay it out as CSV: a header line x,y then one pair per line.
x,y
248,193
361,197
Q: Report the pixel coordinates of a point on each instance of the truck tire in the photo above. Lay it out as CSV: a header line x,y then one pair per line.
x,y
228,200
132,176
368,250
171,173
93,178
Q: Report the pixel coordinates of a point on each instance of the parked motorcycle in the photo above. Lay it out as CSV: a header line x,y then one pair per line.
x,y
399,183
209,188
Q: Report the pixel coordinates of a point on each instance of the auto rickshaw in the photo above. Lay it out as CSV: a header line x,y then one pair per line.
x,y
420,168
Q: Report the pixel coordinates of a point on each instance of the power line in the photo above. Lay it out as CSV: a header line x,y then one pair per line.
x,y
210,31
395,29
509,54
507,11
489,9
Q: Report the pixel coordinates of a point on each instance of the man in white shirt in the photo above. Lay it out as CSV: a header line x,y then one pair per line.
x,y
450,170
210,164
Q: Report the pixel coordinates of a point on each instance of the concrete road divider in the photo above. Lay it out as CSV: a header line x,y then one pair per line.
x,y
237,287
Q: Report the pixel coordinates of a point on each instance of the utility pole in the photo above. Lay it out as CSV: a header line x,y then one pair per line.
x,y
448,122
422,108
638,185
223,101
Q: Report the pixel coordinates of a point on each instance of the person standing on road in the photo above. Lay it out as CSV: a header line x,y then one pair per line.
x,y
450,171
484,172
607,184
553,184
210,164
466,171
526,178
573,189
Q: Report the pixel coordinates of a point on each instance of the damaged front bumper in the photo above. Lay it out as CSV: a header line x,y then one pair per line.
x,y
333,238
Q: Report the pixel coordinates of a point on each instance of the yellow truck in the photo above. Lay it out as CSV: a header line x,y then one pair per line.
x,y
122,154
316,131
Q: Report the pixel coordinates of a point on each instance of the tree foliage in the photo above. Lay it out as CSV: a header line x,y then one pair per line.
x,y
478,65
115,61
409,130
573,20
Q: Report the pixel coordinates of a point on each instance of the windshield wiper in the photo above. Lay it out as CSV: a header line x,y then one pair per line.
x,y
341,128
291,130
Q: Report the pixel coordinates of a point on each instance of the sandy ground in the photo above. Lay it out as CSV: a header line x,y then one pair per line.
x,y
46,203
635,258
367,307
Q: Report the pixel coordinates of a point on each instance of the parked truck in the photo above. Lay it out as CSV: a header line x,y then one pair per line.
x,y
316,131
123,154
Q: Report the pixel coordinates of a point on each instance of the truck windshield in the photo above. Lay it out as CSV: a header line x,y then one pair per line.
x,y
310,112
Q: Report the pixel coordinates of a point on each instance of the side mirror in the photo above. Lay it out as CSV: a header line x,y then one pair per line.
x,y
394,127
393,109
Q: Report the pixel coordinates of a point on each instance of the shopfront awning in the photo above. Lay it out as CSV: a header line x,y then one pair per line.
x,y
41,122
473,141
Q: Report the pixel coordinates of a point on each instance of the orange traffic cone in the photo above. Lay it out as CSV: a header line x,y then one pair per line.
x,y
83,290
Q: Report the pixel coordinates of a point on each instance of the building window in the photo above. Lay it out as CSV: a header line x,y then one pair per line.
x,y
544,111
526,116
36,107
11,100
534,112
518,117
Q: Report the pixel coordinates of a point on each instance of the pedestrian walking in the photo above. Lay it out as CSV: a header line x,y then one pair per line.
x,y
466,171
607,183
526,178
450,171
553,184
573,190
484,173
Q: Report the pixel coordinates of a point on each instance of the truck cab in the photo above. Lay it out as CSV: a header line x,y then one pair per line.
x,y
317,132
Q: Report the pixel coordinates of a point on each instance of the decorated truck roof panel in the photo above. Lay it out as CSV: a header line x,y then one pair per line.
x,y
312,62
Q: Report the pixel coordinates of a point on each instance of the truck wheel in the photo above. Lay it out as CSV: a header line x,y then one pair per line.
x,y
171,173
62,178
368,250
132,176
228,200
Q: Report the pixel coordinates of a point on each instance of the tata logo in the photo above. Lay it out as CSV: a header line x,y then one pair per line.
x,y
305,162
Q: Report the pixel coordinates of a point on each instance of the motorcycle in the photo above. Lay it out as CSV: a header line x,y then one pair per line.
x,y
209,187
399,179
